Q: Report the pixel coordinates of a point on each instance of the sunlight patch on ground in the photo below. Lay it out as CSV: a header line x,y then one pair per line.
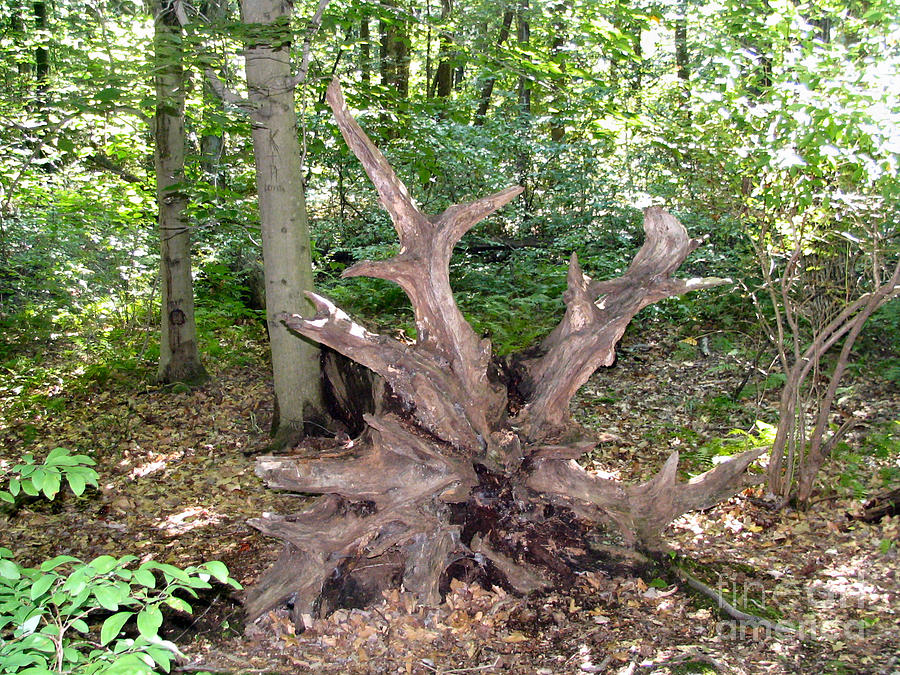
x,y
188,519
157,462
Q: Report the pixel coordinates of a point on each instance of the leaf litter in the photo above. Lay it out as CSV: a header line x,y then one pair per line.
x,y
177,486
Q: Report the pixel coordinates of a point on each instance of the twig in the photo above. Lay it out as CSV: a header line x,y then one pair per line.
x,y
313,28
486,666
727,608
693,655
196,619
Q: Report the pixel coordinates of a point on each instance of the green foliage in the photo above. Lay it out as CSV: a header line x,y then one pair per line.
x,y
32,479
69,616
716,450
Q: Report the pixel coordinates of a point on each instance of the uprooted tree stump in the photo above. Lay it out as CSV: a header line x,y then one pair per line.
x,y
466,466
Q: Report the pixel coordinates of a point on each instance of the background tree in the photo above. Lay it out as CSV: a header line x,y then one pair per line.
x,y
282,212
179,359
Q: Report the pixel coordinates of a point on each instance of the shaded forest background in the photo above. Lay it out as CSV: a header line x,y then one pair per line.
x,y
768,127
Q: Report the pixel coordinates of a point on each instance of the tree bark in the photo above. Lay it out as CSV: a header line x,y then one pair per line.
x,y
488,89
282,213
523,37
179,359
212,143
365,51
395,50
443,78
557,124
444,471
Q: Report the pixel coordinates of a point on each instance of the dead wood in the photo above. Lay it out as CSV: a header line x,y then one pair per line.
x,y
879,506
441,476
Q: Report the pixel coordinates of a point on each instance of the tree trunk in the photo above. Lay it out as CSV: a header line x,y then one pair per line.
x,y
365,51
212,142
443,79
282,213
41,51
523,37
681,50
468,463
395,51
557,124
488,89
179,360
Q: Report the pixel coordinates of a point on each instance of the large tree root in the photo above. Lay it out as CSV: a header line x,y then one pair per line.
x,y
446,477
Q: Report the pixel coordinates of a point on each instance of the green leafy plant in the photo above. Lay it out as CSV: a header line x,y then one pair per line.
x,y
735,442
28,477
49,616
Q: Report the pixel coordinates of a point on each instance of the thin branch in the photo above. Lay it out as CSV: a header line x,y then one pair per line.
x,y
223,92
314,23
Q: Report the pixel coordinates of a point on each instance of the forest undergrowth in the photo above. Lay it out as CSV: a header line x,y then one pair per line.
x,y
177,486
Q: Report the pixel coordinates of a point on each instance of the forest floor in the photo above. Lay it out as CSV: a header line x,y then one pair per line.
x,y
177,485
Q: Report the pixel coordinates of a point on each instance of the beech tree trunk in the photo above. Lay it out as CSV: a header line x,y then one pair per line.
x,y
466,465
282,212
179,360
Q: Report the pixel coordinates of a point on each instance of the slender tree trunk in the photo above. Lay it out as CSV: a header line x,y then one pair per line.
x,y
212,143
557,124
682,63
523,36
41,52
443,79
282,213
395,52
365,51
488,89
179,360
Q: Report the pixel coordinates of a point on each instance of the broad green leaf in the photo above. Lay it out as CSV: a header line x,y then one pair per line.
x,y
14,487
104,563
144,577
53,563
161,655
113,626
178,604
22,659
55,455
9,570
148,621
42,585
6,497
37,479
128,664
169,571
30,625
76,483
109,597
217,569
81,626
52,481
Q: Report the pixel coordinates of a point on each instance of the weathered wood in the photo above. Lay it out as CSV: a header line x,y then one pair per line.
x,y
441,478
597,314
879,506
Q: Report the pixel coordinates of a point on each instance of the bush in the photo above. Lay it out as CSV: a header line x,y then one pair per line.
x,y
45,613
50,615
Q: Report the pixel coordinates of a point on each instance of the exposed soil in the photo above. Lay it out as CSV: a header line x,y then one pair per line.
x,y
177,486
